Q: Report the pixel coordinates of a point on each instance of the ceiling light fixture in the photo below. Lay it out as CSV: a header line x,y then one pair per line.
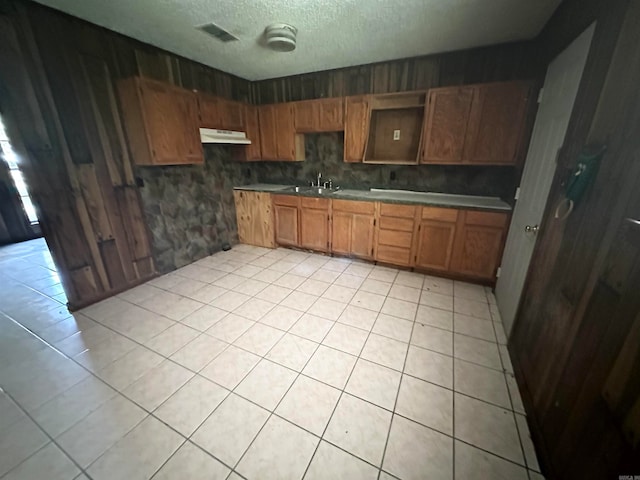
x,y
281,37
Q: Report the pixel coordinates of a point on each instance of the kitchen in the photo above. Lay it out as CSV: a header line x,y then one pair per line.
x,y
255,232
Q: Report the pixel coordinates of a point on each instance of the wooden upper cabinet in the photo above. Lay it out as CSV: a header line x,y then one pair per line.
x,y
232,114
478,244
252,128
285,132
268,126
306,116
330,114
478,124
220,113
445,131
161,122
496,123
356,128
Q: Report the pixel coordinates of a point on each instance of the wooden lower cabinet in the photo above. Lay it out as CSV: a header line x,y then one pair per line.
x,y
254,213
285,208
353,226
478,244
314,224
435,238
394,239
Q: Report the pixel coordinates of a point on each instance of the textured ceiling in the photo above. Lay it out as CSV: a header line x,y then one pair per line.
x,y
331,33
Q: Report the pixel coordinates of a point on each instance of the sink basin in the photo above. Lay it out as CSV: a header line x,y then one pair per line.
x,y
312,190
351,193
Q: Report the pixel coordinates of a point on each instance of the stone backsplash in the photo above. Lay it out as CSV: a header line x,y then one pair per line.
x,y
191,213
189,208
324,153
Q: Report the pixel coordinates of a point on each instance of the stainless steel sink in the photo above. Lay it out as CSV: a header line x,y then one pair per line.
x,y
310,190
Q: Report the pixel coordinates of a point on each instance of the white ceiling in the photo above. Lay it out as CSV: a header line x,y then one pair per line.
x,y
331,33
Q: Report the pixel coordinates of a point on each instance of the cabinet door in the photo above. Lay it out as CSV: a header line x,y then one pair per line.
x,y
341,232
254,214
285,132
330,114
188,137
314,229
306,116
435,244
496,123
448,111
478,244
209,112
356,128
252,128
268,125
231,114
362,236
286,225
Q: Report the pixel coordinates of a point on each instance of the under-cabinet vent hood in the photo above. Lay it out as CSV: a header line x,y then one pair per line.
x,y
229,137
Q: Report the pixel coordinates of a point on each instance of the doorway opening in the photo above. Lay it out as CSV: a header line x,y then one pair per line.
x,y
18,218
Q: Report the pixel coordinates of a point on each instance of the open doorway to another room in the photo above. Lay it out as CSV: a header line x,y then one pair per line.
x,y
26,266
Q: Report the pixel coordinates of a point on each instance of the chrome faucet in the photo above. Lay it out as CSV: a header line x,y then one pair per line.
x,y
319,184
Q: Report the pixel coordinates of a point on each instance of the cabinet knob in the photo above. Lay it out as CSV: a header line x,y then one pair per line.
x,y
532,229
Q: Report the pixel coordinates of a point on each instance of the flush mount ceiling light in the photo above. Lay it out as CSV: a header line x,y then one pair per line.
x,y
281,37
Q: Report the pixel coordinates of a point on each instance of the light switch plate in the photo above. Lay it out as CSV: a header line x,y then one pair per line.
x,y
396,134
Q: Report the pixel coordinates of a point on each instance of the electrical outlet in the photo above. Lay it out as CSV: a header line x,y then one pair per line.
x,y
396,134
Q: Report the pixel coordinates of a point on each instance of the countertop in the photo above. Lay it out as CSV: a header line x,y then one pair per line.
x,y
392,196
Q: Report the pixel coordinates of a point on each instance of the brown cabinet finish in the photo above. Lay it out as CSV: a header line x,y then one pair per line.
x,y
478,243
254,214
356,128
394,236
285,132
445,131
353,225
496,123
306,116
331,115
478,124
161,122
253,151
232,114
314,227
268,125
434,244
286,219
215,112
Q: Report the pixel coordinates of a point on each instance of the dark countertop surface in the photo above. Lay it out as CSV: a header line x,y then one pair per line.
x,y
389,196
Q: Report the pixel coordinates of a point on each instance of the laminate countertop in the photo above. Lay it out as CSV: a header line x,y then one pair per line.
x,y
389,196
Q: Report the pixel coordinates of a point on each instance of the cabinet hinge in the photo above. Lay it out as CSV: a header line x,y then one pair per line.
x,y
517,195
540,95
498,272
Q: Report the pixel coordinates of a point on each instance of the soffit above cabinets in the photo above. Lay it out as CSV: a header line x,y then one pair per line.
x,y
331,33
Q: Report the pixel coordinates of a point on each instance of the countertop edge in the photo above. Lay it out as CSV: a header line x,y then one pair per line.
x,y
379,198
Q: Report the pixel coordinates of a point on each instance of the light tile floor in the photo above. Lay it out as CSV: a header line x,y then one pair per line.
x,y
257,364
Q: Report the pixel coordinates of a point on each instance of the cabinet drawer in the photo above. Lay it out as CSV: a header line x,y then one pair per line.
x,y
320,203
395,223
391,210
288,200
442,214
488,219
352,206
395,238
393,255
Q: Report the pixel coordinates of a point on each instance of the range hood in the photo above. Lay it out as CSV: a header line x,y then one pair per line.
x,y
229,137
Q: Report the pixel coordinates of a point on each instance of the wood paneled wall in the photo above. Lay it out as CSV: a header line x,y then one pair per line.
x,y
57,95
581,297
501,62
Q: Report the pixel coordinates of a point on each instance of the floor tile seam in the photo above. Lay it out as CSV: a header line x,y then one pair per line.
x,y
452,356
271,413
51,439
335,407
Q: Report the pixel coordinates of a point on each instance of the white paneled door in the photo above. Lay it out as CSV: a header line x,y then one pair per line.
x,y
557,99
